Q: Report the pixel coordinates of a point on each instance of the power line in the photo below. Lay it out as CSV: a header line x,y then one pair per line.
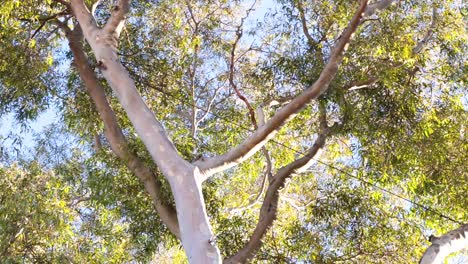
x,y
425,207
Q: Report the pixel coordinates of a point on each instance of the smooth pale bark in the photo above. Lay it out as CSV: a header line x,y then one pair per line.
x,y
114,134
445,245
195,229
259,138
185,179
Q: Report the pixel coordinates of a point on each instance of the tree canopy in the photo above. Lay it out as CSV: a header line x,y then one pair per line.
x,y
294,131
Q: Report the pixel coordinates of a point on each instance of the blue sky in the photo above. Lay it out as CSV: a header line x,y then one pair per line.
x,y
8,124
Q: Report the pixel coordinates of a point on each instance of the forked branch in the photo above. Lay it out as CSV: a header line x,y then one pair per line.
x,y
269,207
259,138
86,18
117,20
113,132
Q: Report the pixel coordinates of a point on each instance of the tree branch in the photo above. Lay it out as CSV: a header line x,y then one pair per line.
x,y
428,34
267,174
117,20
259,138
44,21
231,79
270,203
310,40
184,178
114,133
84,16
443,246
377,6
362,84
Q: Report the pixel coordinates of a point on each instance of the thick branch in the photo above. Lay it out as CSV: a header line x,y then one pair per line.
x,y
183,177
150,130
377,6
443,246
253,143
87,22
117,20
114,133
270,203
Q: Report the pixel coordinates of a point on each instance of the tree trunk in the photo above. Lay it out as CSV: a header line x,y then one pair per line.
x,y
183,177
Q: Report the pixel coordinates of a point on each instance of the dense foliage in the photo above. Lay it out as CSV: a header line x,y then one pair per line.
x,y
393,170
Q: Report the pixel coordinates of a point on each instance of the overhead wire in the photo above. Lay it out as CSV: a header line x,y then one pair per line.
x,y
425,207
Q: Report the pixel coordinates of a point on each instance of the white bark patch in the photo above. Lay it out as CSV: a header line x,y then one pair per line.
x,y
179,179
346,47
204,230
310,162
161,148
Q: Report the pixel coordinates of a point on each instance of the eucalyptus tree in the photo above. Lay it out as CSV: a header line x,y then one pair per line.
x,y
186,95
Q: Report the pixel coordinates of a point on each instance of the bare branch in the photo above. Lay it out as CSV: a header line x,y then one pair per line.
x,y
310,40
270,203
192,16
97,142
232,69
428,34
259,138
362,84
231,79
210,105
117,20
84,16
